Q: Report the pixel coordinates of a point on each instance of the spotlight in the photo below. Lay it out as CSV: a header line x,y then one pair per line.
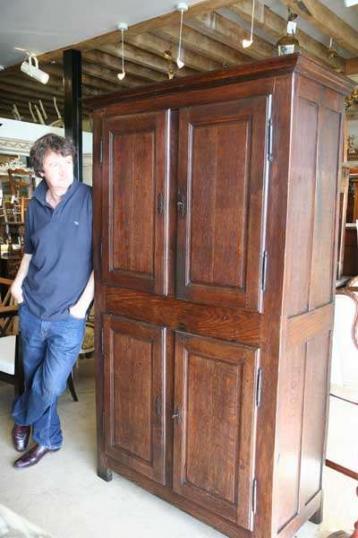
x,y
31,68
180,63
123,27
246,43
181,7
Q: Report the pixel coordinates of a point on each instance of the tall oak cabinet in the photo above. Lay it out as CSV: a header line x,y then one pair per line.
x,y
214,237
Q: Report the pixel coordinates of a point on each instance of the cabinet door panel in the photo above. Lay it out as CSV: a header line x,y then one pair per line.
x,y
135,395
214,433
135,205
220,202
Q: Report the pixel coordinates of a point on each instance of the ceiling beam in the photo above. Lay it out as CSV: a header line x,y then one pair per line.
x,y
275,26
225,31
13,85
326,21
114,65
157,45
138,56
196,41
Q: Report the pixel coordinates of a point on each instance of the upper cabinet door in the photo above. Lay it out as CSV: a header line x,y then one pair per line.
x,y
221,177
136,163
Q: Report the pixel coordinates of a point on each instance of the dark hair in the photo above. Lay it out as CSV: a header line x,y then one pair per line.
x,y
50,142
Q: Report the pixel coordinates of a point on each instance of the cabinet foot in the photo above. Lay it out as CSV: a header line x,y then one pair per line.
x,y
104,473
317,517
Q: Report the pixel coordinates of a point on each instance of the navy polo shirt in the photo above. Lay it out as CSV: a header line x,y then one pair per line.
x,y
60,242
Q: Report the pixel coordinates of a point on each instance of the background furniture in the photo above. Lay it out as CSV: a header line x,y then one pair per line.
x,y
342,451
215,258
11,367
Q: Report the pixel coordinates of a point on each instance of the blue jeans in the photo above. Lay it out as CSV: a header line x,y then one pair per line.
x,y
50,350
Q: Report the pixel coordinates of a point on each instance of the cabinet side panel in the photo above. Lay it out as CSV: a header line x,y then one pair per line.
x,y
301,201
325,211
290,432
314,416
307,303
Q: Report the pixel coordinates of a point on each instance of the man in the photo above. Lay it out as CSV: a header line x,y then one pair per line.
x,y
54,287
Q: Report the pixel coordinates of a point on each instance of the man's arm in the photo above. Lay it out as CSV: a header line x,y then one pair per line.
x,y
79,309
16,286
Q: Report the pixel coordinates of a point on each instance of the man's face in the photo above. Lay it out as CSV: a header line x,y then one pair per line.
x,y
58,172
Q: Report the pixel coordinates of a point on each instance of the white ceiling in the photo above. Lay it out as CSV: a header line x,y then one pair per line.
x,y
43,25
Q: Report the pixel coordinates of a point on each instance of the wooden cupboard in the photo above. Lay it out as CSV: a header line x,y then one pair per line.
x,y
215,245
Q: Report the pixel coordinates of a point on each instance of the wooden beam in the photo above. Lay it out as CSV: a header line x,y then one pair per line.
x,y
275,27
89,81
351,67
114,65
326,21
229,33
30,94
196,41
53,88
157,45
138,56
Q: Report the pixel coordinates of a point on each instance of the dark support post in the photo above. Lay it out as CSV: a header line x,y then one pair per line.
x,y
73,108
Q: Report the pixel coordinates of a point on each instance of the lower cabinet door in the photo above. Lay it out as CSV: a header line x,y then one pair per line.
x,y
214,425
135,356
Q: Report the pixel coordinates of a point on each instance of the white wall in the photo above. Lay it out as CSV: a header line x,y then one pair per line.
x,y
22,130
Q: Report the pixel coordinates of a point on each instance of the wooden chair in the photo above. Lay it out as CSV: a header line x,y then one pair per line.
x,y
11,366
86,351
341,439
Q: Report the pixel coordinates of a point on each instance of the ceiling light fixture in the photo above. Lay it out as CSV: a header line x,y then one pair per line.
x,y
246,43
30,67
122,26
181,7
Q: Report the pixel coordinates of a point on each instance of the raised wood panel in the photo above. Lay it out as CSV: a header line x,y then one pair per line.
x,y
301,202
214,433
135,357
314,416
136,201
220,202
323,264
291,394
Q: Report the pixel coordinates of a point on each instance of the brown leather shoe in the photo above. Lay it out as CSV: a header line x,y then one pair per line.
x,y
33,456
20,437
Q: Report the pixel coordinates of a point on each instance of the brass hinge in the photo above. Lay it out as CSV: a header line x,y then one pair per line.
x,y
254,496
101,151
269,140
264,270
259,380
